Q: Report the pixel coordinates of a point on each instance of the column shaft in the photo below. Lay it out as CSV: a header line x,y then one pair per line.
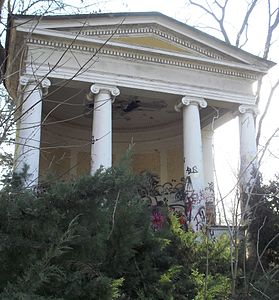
x,y
193,162
193,158
101,151
207,144
248,147
29,131
208,163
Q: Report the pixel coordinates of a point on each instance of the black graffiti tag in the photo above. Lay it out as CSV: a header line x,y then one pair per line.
x,y
193,170
199,218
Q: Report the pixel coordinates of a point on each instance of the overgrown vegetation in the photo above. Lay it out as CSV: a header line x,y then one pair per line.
x,y
94,239
264,229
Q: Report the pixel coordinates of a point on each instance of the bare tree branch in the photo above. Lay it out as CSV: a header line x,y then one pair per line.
x,y
220,20
245,22
271,28
113,215
258,241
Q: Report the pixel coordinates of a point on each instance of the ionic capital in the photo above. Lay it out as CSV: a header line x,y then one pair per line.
x,y
187,100
102,88
243,109
39,82
24,80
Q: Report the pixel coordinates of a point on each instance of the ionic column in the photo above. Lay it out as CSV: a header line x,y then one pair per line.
x,y
208,163
193,160
248,147
207,144
29,129
101,150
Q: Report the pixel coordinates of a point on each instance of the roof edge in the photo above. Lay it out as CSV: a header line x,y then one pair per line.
x,y
269,64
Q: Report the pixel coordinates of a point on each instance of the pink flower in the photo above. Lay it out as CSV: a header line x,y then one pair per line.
x,y
157,219
182,220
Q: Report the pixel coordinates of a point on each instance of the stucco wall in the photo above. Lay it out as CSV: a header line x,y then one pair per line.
x,y
66,152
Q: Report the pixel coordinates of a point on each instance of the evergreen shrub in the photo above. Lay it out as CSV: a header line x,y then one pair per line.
x,y
95,238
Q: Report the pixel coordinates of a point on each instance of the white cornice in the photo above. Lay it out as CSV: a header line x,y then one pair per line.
x,y
202,38
144,84
142,19
149,30
148,54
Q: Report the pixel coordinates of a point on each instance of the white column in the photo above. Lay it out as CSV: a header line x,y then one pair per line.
x,y
208,163
101,151
192,143
207,145
248,147
193,161
29,131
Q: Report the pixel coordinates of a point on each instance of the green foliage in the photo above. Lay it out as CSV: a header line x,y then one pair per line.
x,y
266,286
265,223
7,126
218,286
92,239
264,232
203,256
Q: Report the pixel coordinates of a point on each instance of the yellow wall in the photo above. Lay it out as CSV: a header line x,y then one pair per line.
x,y
151,42
62,163
83,163
56,161
175,164
146,162
66,153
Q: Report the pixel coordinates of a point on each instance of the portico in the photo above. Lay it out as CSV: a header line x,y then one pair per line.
x,y
90,85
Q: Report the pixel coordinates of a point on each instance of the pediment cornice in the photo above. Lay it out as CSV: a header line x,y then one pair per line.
x,y
141,51
116,49
151,30
146,23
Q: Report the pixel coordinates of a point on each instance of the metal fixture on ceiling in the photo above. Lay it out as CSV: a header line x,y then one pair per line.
x,y
126,106
133,103
88,107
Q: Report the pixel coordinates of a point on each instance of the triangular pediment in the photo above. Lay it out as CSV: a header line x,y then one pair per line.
x,y
148,36
152,47
146,33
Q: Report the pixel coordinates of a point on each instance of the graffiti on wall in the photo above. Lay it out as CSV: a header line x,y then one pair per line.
x,y
193,170
194,206
189,205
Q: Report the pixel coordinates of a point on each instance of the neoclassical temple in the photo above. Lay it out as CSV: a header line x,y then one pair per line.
x,y
86,86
